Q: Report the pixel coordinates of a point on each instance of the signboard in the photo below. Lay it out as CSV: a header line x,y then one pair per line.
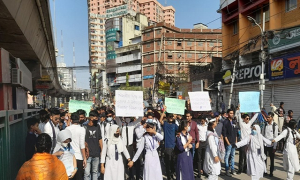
x,y
74,105
175,106
243,74
129,103
249,101
285,67
111,35
45,78
286,39
200,101
116,11
148,77
196,86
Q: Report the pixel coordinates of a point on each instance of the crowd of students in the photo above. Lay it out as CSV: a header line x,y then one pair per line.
x,y
99,145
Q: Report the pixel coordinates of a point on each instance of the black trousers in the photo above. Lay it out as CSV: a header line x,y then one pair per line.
x,y
138,167
125,161
270,151
169,162
242,159
201,155
80,170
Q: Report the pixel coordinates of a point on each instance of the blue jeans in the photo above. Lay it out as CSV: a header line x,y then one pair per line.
x,y
94,162
193,149
230,152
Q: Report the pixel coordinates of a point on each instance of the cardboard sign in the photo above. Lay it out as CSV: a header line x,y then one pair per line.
x,y
74,105
129,103
175,106
249,101
200,101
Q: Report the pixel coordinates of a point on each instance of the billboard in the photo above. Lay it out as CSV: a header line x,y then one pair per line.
x,y
116,11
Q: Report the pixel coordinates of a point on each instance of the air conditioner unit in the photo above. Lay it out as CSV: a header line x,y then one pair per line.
x,y
16,76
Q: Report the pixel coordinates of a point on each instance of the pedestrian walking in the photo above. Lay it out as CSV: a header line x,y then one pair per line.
x,y
193,131
51,127
202,129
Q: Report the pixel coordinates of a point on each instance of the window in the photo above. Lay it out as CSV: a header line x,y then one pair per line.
x,y
235,27
256,16
101,20
189,55
266,10
179,55
158,31
148,45
170,67
179,43
148,34
147,57
290,5
170,56
101,26
169,42
200,55
189,43
211,44
200,43
136,27
148,68
158,43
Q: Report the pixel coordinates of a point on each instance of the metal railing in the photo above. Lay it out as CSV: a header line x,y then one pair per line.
x,y
13,130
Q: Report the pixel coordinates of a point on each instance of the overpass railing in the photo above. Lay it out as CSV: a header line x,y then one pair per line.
x,y
13,130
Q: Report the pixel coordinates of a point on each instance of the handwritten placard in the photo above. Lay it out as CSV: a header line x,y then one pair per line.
x,y
175,106
200,101
74,105
129,103
249,101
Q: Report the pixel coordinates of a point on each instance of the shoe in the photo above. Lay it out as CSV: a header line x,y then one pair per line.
x,y
265,174
233,172
228,174
239,172
271,175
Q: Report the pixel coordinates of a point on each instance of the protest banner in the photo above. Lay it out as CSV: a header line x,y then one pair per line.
x,y
129,103
74,105
249,101
200,101
175,106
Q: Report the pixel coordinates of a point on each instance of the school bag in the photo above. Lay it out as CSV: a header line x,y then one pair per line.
x,y
273,126
220,145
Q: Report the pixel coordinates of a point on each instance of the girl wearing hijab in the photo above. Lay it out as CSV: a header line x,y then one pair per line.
x,y
212,165
184,167
64,138
290,155
150,141
111,155
256,157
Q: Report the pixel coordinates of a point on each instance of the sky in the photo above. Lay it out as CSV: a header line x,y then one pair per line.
x,y
72,19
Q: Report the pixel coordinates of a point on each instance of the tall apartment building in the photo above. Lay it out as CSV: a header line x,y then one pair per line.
x,y
171,51
242,38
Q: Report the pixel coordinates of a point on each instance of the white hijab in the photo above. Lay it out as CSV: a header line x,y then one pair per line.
x,y
257,142
112,140
64,135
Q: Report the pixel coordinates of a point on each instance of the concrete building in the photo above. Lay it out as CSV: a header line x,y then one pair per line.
x,y
169,52
242,39
66,77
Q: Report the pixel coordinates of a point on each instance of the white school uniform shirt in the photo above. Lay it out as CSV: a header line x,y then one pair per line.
x,y
42,127
130,126
246,128
139,132
48,130
270,135
202,129
78,139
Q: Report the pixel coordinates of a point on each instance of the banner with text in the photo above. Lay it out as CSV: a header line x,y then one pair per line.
x,y
200,101
129,103
249,101
74,105
175,106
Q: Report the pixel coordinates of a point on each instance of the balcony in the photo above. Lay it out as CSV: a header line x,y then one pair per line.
x,y
128,58
132,78
129,68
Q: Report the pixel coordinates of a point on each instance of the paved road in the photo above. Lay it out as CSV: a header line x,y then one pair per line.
x,y
279,173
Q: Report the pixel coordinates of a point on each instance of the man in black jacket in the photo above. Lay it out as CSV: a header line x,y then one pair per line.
x,y
229,133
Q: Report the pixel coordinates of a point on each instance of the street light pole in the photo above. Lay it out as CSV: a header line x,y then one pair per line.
x,y
263,58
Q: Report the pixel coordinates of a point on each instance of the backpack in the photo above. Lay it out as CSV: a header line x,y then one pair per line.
x,y
274,125
220,146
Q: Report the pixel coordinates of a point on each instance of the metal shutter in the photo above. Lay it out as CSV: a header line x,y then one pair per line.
x,y
290,95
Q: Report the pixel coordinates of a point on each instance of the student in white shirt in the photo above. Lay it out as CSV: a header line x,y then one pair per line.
x,y
245,126
51,127
270,132
202,129
78,144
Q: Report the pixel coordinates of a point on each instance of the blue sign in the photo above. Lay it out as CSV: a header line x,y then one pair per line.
x,y
249,101
148,77
285,67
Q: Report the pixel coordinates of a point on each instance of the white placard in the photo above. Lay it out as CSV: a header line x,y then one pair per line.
x,y
200,101
129,103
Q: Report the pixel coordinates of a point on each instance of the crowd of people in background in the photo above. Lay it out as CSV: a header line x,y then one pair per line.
x,y
99,145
